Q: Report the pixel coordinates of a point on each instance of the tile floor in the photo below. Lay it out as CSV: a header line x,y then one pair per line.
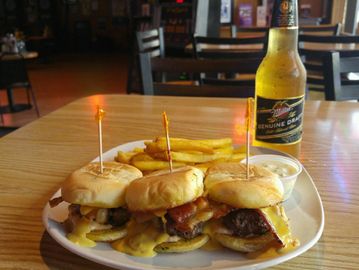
x,y
68,77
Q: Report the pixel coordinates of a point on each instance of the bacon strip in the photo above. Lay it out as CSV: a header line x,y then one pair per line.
x,y
182,213
219,209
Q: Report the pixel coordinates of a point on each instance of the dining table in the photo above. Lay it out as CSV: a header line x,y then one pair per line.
x,y
36,158
257,47
27,55
308,46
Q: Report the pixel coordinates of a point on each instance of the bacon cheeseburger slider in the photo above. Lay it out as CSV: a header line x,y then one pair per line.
x,y
256,219
97,209
168,213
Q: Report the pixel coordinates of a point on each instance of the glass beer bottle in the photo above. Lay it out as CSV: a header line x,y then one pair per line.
x,y
280,84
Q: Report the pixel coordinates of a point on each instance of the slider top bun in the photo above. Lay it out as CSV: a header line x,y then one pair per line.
x,y
164,190
227,183
86,186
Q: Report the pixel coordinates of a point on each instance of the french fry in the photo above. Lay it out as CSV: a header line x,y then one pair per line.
x,y
217,143
192,158
240,149
154,165
225,150
138,150
199,153
124,157
237,157
141,157
177,144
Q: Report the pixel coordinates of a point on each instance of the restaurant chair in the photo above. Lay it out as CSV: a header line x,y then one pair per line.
x,y
313,50
309,21
338,69
152,42
332,29
222,50
328,29
196,66
248,31
342,43
210,47
13,75
149,41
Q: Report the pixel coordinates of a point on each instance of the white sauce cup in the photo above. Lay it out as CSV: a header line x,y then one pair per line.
x,y
286,168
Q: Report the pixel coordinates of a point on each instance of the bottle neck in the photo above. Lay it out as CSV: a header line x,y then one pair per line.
x,y
283,40
285,13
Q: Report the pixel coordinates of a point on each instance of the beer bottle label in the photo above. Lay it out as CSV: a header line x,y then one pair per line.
x,y
279,121
284,14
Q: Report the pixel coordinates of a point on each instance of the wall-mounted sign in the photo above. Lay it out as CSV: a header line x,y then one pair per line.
x,y
226,11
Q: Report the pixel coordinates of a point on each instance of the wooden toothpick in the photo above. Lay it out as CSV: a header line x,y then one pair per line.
x,y
99,116
248,124
165,125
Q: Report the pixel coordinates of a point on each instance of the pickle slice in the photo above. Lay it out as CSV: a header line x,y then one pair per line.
x,y
244,244
183,245
107,235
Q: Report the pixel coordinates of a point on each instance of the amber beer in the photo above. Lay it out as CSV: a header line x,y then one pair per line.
x,y
280,84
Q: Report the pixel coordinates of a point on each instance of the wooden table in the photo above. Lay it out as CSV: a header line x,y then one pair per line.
x,y
226,47
35,159
28,55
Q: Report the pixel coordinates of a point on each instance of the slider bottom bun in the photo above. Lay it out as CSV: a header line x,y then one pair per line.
x,y
183,245
246,245
109,235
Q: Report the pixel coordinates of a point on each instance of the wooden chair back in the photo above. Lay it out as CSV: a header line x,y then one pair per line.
x,y
255,31
151,41
196,66
314,65
315,59
338,69
256,55
344,43
228,47
331,29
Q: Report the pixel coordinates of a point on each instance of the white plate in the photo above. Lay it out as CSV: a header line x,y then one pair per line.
x,y
304,209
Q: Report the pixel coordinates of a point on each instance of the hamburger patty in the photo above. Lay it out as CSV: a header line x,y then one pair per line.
x,y
182,230
118,216
246,223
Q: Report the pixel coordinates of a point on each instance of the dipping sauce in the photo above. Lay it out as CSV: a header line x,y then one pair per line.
x,y
278,167
286,168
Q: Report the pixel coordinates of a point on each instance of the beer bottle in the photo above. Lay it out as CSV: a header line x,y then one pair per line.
x,y
280,84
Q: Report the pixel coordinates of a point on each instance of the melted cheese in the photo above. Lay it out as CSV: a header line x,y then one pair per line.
x,y
84,210
278,221
211,228
271,252
141,239
78,235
